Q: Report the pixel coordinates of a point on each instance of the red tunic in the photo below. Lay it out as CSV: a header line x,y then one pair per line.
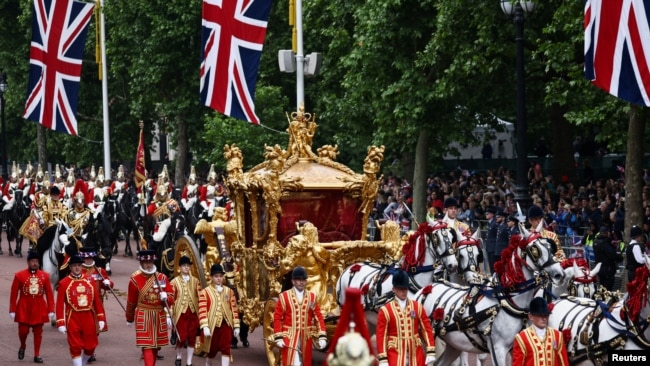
x,y
186,308
36,298
147,310
290,320
399,334
529,350
97,275
79,308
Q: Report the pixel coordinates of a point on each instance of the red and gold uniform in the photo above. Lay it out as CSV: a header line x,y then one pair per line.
x,y
218,311
79,308
400,333
186,309
293,322
97,275
529,350
145,308
31,300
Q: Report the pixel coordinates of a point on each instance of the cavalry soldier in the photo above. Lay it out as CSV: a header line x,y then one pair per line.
x,y
9,191
58,178
401,326
451,210
147,190
535,217
165,180
97,196
68,191
31,303
296,313
218,316
163,208
212,193
150,295
52,208
79,216
25,183
186,310
40,197
79,312
119,186
91,178
190,192
38,184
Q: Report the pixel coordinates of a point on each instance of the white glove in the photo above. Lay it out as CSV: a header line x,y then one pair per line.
x,y
206,331
385,363
169,322
62,329
12,316
163,295
102,324
107,283
51,315
322,344
129,324
280,343
236,333
430,359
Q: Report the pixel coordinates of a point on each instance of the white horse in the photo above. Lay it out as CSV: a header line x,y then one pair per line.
x,y
579,280
469,255
481,318
428,254
49,245
593,327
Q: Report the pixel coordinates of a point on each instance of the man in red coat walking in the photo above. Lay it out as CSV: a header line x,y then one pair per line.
x,y
296,312
401,324
539,344
150,295
79,312
31,304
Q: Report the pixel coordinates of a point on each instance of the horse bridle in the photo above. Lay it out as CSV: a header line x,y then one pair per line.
x,y
472,261
535,254
447,250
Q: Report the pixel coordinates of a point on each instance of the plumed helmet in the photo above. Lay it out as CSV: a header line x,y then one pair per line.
x,y
451,202
351,349
161,189
635,231
14,170
69,181
120,172
299,273
87,252
184,260
147,255
92,172
164,173
57,172
212,174
100,175
75,259
79,192
539,306
216,269
39,171
46,181
535,211
401,279
32,254
55,191
192,173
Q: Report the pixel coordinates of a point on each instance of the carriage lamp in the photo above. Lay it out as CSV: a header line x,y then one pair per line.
x,y
3,89
518,8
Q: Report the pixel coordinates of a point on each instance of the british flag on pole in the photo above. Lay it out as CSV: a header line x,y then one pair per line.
x,y
233,34
617,48
59,30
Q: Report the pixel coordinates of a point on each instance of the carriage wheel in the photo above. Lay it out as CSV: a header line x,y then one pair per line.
x,y
272,352
186,246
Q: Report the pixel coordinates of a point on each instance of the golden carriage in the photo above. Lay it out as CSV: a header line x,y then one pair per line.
x,y
299,208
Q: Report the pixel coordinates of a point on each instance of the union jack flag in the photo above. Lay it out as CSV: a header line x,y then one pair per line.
x,y
233,34
59,30
617,48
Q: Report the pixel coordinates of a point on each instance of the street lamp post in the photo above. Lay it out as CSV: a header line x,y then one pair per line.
x,y
517,8
3,89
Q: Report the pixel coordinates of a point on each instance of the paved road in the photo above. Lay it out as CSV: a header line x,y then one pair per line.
x,y
117,346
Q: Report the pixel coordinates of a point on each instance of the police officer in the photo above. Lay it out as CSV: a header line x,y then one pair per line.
x,y
491,236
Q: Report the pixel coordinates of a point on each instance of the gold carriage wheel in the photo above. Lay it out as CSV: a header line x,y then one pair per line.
x,y
186,246
272,352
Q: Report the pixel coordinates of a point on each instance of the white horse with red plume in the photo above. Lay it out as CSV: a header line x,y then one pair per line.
x,y
469,254
482,318
592,328
579,281
427,255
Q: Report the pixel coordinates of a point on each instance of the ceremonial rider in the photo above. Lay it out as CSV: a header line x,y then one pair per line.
x,y
9,191
68,191
212,193
98,196
451,211
38,184
162,208
52,208
119,186
79,216
190,192
40,197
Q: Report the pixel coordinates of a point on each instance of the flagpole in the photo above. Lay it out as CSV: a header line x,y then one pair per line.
x,y
300,65
107,133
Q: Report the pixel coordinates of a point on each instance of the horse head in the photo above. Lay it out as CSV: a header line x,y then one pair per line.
x,y
440,245
538,255
469,256
579,280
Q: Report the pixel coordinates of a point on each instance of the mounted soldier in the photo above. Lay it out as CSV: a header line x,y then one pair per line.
x,y
165,180
91,178
68,191
10,188
212,193
38,184
119,186
41,196
25,183
190,192
58,179
79,216
162,209
98,196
